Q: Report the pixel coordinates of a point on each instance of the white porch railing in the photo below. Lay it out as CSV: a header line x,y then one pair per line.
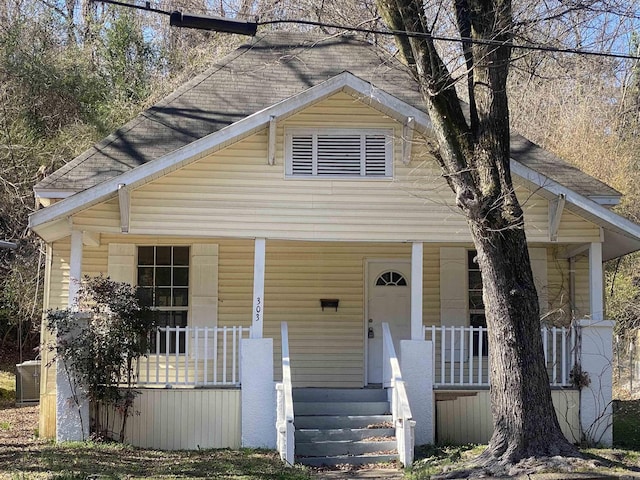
x,y
460,355
284,422
400,409
193,356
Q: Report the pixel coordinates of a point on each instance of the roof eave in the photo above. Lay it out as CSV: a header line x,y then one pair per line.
x,y
621,235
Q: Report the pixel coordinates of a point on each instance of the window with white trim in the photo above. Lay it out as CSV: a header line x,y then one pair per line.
x,y
163,278
337,153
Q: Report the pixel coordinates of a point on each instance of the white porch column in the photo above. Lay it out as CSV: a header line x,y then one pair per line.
x,y
596,287
416,291
258,288
75,267
72,419
258,393
595,399
417,373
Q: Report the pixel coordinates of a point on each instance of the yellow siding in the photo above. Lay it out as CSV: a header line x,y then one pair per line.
x,y
230,197
558,288
582,308
235,193
183,419
467,419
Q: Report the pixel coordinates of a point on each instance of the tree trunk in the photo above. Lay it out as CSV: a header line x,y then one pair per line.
x,y
525,423
474,156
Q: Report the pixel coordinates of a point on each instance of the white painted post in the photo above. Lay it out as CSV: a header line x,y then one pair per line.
x,y
258,393
596,287
595,399
417,371
417,332
75,267
72,407
258,289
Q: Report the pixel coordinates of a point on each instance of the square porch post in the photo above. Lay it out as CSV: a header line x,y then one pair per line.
x,y
596,287
72,420
258,289
416,291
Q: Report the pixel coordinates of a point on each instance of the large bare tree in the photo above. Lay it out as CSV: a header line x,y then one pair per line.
x,y
473,153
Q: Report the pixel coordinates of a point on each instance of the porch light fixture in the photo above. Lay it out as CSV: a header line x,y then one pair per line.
x,y
329,303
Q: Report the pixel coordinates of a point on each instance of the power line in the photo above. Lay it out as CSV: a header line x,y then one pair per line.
x,y
217,24
496,43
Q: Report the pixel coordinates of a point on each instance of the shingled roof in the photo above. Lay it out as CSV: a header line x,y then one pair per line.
x,y
272,68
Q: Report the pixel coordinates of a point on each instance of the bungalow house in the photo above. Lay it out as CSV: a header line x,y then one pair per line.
x,y
291,226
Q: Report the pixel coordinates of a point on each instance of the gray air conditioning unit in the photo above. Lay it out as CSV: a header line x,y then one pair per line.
x,y
28,383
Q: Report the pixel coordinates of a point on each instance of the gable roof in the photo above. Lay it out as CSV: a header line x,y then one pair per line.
x,y
274,67
274,77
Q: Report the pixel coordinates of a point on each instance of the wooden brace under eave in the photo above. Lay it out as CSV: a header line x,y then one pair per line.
x,y
556,208
407,139
124,201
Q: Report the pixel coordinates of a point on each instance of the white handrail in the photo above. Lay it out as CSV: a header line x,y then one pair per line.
x,y
460,355
285,418
402,417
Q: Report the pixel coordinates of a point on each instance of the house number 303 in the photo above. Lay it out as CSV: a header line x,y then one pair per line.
x,y
258,308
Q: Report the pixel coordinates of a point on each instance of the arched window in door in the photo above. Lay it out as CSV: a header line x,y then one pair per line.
x,y
391,278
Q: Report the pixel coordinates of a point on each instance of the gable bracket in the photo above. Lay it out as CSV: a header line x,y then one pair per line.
x,y
556,206
273,128
124,200
407,139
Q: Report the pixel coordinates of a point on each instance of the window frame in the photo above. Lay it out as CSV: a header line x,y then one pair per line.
x,y
388,133
154,287
477,312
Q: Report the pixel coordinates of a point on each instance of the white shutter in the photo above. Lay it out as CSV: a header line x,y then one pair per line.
x,y
204,285
538,258
121,264
453,293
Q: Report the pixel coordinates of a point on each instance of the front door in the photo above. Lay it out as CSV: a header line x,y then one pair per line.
x,y
388,300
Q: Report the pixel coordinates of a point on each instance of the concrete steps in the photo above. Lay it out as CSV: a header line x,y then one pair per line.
x,y
343,426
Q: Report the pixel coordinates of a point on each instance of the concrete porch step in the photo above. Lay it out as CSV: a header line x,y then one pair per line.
x,y
342,434
326,422
340,408
339,395
332,461
329,448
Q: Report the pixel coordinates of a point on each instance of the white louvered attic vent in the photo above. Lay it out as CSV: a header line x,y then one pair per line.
x,y
339,153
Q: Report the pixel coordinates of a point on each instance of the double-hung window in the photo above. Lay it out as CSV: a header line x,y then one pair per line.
x,y
339,153
163,277
476,305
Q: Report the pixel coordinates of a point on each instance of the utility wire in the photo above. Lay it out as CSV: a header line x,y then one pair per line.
x,y
476,41
467,40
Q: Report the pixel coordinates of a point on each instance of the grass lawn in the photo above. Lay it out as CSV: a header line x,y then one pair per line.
x,y
626,424
24,456
116,461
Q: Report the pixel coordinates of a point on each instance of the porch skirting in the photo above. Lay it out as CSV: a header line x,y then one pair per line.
x,y
183,419
465,416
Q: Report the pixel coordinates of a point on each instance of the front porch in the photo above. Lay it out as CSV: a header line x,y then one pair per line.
x,y
336,298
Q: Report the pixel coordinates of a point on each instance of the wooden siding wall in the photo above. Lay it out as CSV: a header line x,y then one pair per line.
x,y
235,193
467,419
183,419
